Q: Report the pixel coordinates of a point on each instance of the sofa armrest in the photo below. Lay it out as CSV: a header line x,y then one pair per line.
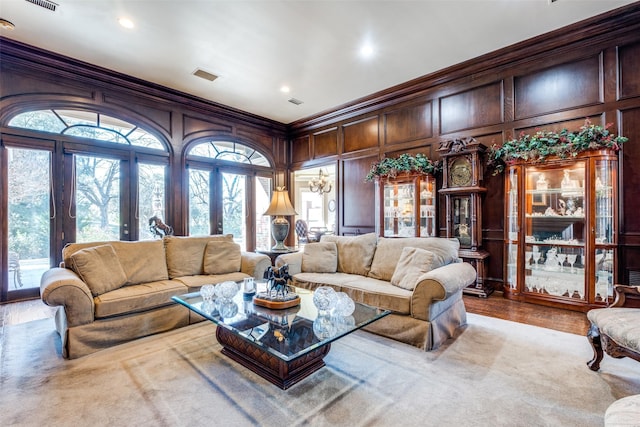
x,y
294,260
254,264
439,284
63,287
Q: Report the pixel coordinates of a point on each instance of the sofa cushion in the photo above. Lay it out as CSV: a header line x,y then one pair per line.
x,y
222,257
193,283
137,298
365,290
99,268
320,257
185,255
388,253
142,261
413,263
355,253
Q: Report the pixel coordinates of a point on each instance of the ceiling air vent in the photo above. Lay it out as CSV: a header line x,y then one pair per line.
x,y
204,75
45,3
295,101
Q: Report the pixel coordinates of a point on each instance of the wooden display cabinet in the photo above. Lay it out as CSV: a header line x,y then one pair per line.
x,y
561,230
406,206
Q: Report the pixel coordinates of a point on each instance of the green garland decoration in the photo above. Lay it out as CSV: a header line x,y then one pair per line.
x,y
537,147
390,167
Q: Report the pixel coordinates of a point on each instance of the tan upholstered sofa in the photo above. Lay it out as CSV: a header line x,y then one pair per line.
x,y
112,292
419,279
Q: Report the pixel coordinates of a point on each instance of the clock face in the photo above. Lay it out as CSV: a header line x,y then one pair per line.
x,y
460,172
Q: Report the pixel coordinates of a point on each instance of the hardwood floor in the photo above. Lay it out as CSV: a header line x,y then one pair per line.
x,y
547,317
494,306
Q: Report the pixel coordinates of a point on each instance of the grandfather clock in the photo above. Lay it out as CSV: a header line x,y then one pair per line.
x,y
463,191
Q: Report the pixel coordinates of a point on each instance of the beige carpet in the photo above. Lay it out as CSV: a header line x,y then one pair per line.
x,y
496,373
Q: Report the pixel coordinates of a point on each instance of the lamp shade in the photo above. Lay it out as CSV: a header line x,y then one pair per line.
x,y
280,204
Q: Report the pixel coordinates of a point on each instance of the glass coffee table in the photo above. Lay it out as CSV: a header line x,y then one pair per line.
x,y
283,346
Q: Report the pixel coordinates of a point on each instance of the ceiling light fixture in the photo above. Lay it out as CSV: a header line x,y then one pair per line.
x,y
126,23
6,25
366,51
321,184
285,89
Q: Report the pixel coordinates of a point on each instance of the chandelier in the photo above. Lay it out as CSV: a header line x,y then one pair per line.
x,y
321,184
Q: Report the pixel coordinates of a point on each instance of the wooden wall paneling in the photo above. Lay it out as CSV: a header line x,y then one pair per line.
x,y
571,125
628,66
325,143
408,124
361,134
477,107
358,197
560,87
630,176
300,149
157,113
194,125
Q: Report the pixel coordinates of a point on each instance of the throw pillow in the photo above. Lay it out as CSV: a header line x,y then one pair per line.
x,y
355,253
413,263
222,257
320,257
99,268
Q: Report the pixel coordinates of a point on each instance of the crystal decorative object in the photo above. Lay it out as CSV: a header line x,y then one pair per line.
x,y
228,309
344,305
324,298
324,328
227,290
207,292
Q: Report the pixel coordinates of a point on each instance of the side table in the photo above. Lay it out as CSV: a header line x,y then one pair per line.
x,y
273,254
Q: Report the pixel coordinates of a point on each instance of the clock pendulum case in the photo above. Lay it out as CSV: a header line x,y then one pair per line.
x,y
463,191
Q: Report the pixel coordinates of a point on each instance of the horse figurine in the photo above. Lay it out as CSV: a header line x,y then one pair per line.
x,y
278,281
159,228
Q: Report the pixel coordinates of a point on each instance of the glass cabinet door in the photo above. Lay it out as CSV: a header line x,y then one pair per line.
x,y
604,229
512,229
555,231
408,207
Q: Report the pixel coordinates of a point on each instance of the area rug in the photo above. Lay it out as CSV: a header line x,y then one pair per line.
x,y
494,373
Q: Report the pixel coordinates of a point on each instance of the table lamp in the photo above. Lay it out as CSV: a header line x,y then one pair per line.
x,y
279,207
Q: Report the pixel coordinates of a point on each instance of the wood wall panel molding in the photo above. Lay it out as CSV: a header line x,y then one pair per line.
x,y
408,124
300,149
194,125
628,66
630,127
481,106
137,107
358,196
570,85
361,134
325,143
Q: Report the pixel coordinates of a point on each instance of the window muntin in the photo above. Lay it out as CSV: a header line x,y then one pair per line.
x,y
229,151
86,124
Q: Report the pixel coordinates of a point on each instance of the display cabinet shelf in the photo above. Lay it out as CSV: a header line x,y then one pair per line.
x,y
560,237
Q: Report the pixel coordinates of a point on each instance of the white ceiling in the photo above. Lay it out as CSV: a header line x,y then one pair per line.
x,y
255,47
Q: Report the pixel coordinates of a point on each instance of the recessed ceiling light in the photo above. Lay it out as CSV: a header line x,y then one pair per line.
x,y
126,23
367,51
6,25
285,89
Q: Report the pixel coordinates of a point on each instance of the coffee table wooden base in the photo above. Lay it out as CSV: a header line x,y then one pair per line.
x,y
277,371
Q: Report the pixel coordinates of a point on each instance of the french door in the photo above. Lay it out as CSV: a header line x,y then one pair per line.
x,y
230,201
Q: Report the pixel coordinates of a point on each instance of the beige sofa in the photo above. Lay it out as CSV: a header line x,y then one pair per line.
x,y
112,292
419,279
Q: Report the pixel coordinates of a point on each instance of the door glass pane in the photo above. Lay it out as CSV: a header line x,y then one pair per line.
x,y
199,193
97,195
234,207
151,199
28,217
263,223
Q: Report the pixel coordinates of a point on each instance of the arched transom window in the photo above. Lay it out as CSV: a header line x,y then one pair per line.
x,y
86,124
229,151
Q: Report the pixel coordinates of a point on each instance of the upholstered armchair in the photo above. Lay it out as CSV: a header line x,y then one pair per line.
x,y
616,329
